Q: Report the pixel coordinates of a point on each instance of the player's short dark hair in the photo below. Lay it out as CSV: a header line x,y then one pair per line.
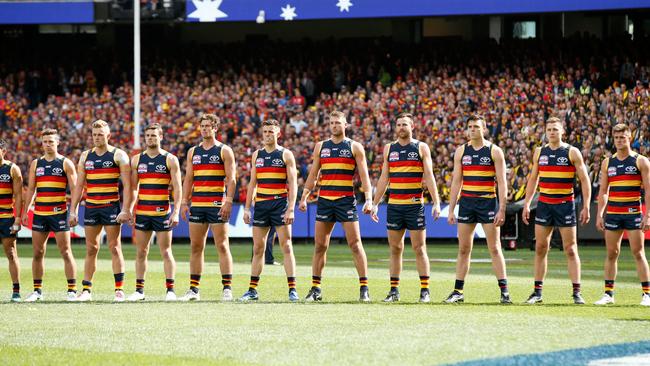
x,y
554,119
50,132
405,115
477,117
154,126
271,122
216,121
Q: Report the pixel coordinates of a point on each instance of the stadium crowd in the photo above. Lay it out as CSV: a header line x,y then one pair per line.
x,y
516,85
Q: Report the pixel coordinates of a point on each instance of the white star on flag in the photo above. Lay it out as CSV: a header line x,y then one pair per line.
x,y
288,13
207,10
344,5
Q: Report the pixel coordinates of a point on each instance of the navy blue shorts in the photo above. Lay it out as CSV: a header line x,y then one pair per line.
x,y
473,210
556,215
5,228
152,223
102,215
269,213
51,223
340,210
623,222
206,215
409,217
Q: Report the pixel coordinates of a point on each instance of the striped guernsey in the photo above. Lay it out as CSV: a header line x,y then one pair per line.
x,y
556,175
405,170
337,170
154,177
624,185
209,177
271,175
479,174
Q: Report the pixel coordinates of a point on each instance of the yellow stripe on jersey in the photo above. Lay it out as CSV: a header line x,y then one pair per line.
x,y
406,169
50,199
271,176
556,190
155,181
209,173
102,190
208,189
6,191
345,183
49,184
470,187
153,197
478,173
625,183
102,176
337,166
569,175
406,185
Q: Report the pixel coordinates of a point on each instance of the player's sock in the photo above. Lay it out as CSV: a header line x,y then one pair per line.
x,y
139,286
291,281
459,285
38,285
609,287
394,282
226,281
538,288
195,282
169,284
576,288
645,287
503,285
72,285
119,280
87,285
16,288
363,282
252,285
315,281
424,282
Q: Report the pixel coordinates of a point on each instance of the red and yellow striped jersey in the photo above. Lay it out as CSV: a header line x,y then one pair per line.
x,y
271,175
154,178
337,170
6,191
405,171
102,179
624,185
479,174
51,185
209,177
557,175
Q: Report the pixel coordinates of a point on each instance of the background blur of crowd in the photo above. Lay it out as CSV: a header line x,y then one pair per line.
x,y
591,84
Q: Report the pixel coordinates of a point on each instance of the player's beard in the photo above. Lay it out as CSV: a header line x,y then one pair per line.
x,y
403,134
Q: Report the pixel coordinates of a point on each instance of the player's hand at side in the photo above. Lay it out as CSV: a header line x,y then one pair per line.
x,y
123,217
302,206
451,218
525,215
174,219
500,218
367,208
435,211
600,223
73,219
247,216
373,214
225,211
288,216
645,224
185,210
584,215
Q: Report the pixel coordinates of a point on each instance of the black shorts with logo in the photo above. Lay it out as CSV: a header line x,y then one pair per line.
x,y
269,213
409,217
51,223
472,210
623,221
102,215
206,215
556,215
5,227
340,210
152,223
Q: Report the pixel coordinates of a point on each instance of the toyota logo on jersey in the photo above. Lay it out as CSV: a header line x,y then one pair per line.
x,y
107,164
57,171
413,155
630,169
562,160
485,160
5,178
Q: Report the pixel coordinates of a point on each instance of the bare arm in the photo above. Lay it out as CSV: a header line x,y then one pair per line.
x,y
229,166
17,179
313,173
585,184
175,172
457,179
135,182
252,183
31,188
292,182
531,185
382,183
362,165
71,173
189,178
644,169
500,168
81,182
430,179
602,194
122,159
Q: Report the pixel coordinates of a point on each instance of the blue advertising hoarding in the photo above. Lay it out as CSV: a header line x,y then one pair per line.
x,y
35,12
272,10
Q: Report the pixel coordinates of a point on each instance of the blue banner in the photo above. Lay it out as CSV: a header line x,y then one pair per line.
x,y
31,12
271,10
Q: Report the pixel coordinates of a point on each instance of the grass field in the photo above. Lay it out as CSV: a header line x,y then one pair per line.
x,y
337,331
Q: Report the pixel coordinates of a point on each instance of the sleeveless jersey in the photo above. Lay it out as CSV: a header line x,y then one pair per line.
x,y
337,170
271,174
209,177
405,170
154,177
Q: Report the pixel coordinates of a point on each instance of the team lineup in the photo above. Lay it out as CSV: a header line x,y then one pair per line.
x,y
154,198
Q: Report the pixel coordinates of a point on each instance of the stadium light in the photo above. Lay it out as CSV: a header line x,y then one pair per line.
x,y
136,74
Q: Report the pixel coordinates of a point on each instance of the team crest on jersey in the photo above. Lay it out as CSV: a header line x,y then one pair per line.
x,y
413,155
196,159
467,160
543,160
611,171
161,168
4,178
325,153
259,162
277,162
562,160
345,153
142,168
630,170
40,171
57,171
90,165
394,156
107,164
